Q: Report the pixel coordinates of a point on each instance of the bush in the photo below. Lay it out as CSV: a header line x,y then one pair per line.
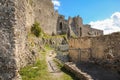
x,y
36,30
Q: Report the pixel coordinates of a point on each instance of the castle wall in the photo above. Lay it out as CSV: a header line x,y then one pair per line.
x,y
8,67
81,43
16,19
96,32
104,50
62,25
105,45
79,49
86,29
74,24
24,20
45,15
77,28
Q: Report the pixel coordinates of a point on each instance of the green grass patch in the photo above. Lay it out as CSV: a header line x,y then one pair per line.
x,y
38,71
66,74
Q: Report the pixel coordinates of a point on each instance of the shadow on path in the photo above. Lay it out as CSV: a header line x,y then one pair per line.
x,y
97,72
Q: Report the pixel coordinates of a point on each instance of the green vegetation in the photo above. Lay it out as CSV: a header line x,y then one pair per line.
x,y
36,30
74,36
66,74
38,71
31,2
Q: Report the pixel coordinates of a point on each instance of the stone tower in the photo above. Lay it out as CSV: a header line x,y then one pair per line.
x,y
75,25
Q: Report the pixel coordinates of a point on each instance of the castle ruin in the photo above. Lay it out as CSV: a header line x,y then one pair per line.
x,y
16,19
75,27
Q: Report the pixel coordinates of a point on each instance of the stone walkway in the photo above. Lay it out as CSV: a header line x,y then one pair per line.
x,y
52,67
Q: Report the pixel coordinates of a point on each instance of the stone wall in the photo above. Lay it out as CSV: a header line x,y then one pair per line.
x,y
24,21
75,24
105,45
45,15
77,72
88,31
81,43
79,29
8,67
105,49
62,25
78,46
16,19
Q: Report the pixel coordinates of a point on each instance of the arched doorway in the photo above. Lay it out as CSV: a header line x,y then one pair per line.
x,y
80,31
61,26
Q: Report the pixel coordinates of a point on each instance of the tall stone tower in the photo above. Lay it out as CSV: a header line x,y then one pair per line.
x,y
75,25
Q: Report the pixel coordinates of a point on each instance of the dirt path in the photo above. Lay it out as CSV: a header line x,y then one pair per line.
x,y
52,67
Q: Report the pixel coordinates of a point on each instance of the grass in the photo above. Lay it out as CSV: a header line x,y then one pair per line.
x,y
66,74
38,71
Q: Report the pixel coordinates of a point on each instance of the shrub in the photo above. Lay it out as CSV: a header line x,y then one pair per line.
x,y
36,30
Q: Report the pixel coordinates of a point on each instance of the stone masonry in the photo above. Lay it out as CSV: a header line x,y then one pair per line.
x,y
8,67
102,50
75,27
16,19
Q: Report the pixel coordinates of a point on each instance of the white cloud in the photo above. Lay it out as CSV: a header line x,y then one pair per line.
x,y
56,4
109,25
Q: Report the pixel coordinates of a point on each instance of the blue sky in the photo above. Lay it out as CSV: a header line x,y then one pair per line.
x,y
89,10
92,11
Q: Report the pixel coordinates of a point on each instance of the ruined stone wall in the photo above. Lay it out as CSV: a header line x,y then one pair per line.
x,y
103,50
104,45
88,31
81,43
62,25
24,21
20,32
8,67
79,49
74,24
26,13
71,67
79,29
16,19
45,15
95,32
